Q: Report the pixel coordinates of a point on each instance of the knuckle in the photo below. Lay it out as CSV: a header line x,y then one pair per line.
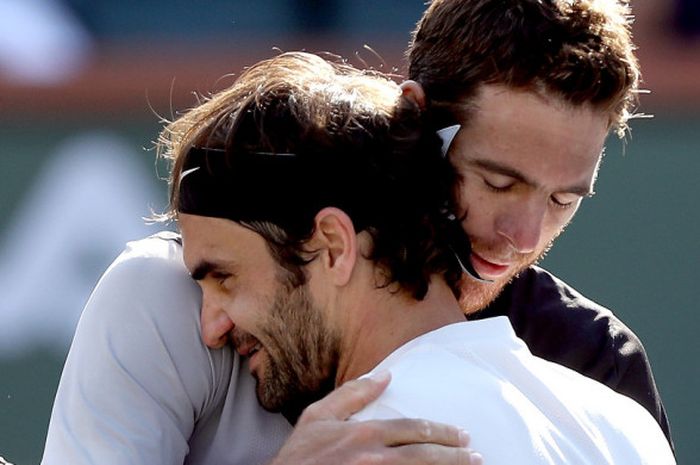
x,y
424,454
453,436
424,430
364,431
432,454
432,457
464,457
311,413
458,456
371,458
361,387
356,389
352,386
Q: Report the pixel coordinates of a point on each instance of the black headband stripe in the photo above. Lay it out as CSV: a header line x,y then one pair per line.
x,y
288,190
282,188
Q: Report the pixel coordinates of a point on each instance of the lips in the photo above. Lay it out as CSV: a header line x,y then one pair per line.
x,y
254,350
487,268
249,349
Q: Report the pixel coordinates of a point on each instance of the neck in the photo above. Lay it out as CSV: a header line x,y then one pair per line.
x,y
383,321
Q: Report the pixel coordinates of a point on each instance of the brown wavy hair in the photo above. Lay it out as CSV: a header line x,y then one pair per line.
x,y
365,147
578,50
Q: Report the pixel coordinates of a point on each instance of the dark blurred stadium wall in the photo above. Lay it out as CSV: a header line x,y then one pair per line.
x,y
84,83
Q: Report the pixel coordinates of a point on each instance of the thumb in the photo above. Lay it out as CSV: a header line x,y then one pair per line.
x,y
348,399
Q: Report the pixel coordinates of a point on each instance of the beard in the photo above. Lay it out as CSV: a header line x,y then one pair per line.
x,y
302,354
476,295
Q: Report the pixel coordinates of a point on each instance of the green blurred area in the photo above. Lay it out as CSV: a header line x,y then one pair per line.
x,y
28,381
633,247
27,388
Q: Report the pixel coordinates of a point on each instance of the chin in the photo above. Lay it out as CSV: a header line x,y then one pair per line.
x,y
290,401
476,295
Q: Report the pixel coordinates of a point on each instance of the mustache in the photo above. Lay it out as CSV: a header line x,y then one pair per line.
x,y
501,251
240,338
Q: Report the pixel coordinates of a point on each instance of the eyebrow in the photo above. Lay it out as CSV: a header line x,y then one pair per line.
x,y
495,167
205,268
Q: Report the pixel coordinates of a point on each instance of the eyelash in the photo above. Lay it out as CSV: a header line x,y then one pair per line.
x,y
562,206
221,277
554,202
496,188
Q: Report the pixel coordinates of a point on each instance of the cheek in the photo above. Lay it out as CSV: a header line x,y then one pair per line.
x,y
480,206
467,195
244,309
481,214
556,222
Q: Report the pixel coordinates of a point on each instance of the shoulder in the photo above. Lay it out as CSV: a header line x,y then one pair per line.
x,y
147,283
146,303
561,325
423,382
487,381
558,323
138,332
447,372
536,290
149,270
160,252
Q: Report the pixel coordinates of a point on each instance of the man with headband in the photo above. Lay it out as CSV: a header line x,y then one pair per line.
x,y
207,412
316,214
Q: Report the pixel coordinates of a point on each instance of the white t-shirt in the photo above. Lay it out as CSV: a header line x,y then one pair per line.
x,y
140,388
518,408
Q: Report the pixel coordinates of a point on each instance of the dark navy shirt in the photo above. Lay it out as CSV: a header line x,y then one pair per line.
x,y
560,325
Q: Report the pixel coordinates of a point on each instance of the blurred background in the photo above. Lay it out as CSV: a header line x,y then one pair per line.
x,y
84,85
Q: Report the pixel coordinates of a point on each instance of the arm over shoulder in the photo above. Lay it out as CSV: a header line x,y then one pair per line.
x,y
137,377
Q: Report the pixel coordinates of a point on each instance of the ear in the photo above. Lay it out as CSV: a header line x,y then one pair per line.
x,y
336,240
414,92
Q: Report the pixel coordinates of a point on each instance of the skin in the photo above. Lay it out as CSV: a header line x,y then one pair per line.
x,y
525,161
340,323
290,346
239,278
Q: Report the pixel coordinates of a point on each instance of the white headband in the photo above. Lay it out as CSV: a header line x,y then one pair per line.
x,y
447,135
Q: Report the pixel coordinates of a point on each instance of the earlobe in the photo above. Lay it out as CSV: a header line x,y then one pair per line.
x,y
412,91
335,235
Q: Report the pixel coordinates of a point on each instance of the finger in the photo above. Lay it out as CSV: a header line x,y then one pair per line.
x,y
415,431
348,399
432,454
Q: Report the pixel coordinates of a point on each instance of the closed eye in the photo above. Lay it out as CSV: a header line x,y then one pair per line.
x,y
499,183
560,204
220,276
566,200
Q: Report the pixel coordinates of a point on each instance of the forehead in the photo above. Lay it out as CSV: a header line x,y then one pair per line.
x,y
221,242
543,137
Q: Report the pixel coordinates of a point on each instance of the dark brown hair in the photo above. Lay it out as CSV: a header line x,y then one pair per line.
x,y
577,50
360,147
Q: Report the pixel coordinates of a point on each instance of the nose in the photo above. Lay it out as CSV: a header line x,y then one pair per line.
x,y
522,225
216,325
